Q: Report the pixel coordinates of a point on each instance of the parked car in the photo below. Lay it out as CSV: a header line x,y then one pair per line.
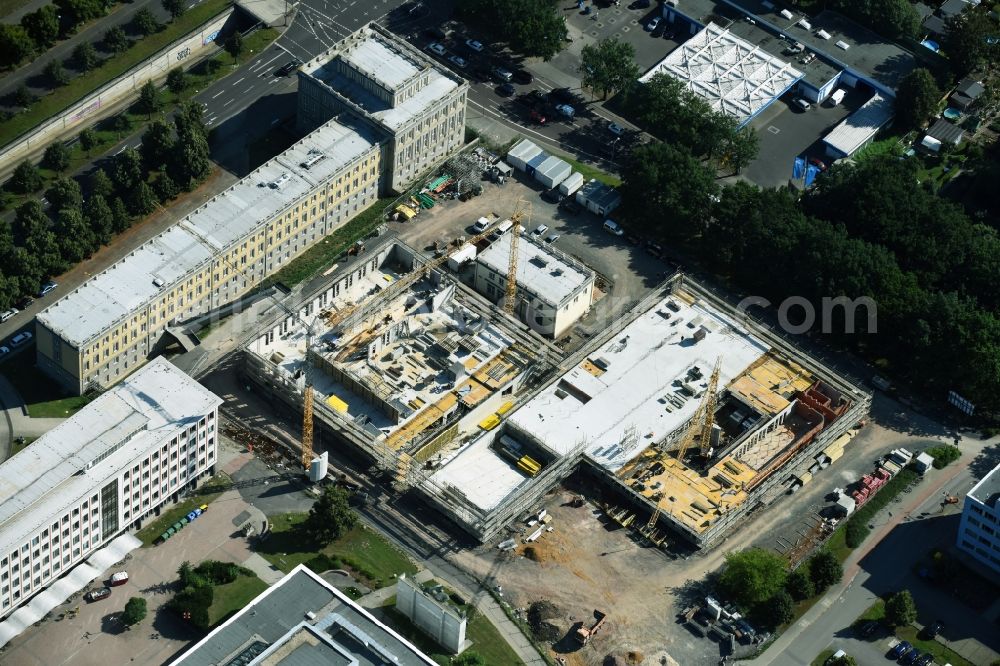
x,y
540,230
4,351
801,104
436,34
868,628
458,61
523,76
925,660
562,95
97,595
901,648
119,578
931,631
481,73
613,228
566,110
551,238
818,163
505,90
616,129
502,74
21,338
287,68
570,205
552,196
639,4
633,239
654,23
669,33
7,314
46,288
436,48
654,249
474,45
911,657
24,302
537,116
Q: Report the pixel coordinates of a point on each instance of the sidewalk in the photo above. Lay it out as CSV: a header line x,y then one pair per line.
x,y
15,421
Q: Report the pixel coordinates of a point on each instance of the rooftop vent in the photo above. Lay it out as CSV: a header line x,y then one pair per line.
x,y
279,182
315,157
787,14
842,44
158,282
805,24
823,34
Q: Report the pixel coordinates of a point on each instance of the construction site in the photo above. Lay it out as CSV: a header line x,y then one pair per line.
x,y
686,415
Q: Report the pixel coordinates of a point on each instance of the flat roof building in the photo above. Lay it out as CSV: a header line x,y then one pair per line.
x,y
860,128
417,104
553,289
732,75
303,620
99,473
979,531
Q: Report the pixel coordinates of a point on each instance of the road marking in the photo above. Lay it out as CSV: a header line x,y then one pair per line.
x,y
228,103
217,94
272,81
772,129
265,64
210,120
240,81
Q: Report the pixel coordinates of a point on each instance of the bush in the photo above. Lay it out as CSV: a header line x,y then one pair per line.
x,y
752,576
135,611
825,570
855,532
944,455
799,585
900,609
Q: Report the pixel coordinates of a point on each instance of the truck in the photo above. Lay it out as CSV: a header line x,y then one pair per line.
x,y
584,634
119,578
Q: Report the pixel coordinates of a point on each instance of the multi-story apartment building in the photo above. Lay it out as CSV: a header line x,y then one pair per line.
x,y
378,114
553,289
416,103
979,531
111,324
100,473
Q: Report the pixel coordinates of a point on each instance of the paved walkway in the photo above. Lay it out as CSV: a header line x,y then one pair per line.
x,y
14,420
264,569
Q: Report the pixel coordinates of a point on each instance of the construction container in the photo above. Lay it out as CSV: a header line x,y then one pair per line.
x,y
535,162
552,171
337,404
573,183
462,256
598,198
522,153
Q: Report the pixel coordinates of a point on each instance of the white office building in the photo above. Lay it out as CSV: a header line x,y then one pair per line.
x,y
100,473
979,531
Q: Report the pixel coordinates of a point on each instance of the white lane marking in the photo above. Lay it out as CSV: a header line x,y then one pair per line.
x,y
230,101
268,62
217,94
241,79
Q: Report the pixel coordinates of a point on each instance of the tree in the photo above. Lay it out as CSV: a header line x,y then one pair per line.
x,y
176,80
100,184
779,609
56,73
165,188
100,219
176,8
73,234
895,19
126,170
56,157
844,660
145,23
120,219
532,25
608,65
799,585
142,200
28,218
85,57
15,45
135,611
23,97
190,160
825,570
88,139
330,516
740,149
900,609
469,658
121,123
752,576
75,12
25,179
115,41
42,26
149,99
64,193
234,45
157,145
966,40
917,98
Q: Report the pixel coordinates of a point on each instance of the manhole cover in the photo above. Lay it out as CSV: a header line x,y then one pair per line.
x,y
612,21
593,33
625,28
773,130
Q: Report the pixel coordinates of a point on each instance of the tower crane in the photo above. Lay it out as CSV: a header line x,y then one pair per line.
x,y
700,426
521,212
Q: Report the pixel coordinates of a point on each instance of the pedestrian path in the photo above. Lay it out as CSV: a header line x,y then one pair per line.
x,y
15,422
266,571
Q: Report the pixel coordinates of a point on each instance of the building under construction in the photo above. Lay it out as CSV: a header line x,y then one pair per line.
x,y
398,358
687,415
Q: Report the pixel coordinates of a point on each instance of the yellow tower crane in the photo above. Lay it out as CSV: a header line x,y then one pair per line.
x,y
701,423
521,212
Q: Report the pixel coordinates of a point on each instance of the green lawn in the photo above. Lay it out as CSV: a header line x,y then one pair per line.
x,y
589,171
81,86
362,551
10,6
206,494
231,597
17,448
875,612
42,396
322,255
942,654
486,640
822,657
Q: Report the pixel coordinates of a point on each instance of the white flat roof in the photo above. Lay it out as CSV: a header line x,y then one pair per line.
x,y
51,474
480,474
381,62
856,129
541,269
734,76
117,292
643,362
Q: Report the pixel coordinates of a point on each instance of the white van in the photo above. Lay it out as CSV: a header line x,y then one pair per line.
x,y
481,225
838,96
502,228
613,228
